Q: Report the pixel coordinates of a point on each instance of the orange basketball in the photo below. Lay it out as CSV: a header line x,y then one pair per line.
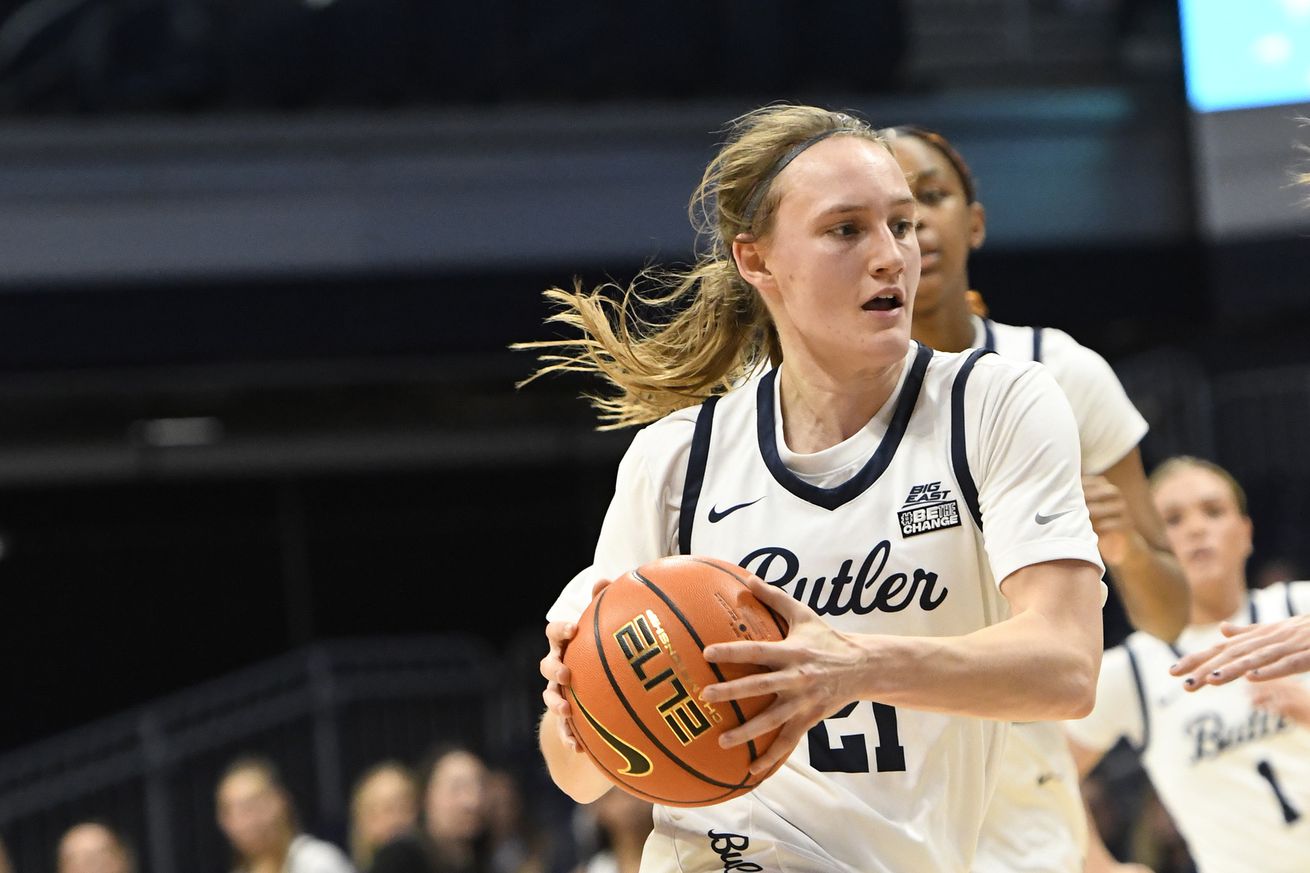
x,y
638,669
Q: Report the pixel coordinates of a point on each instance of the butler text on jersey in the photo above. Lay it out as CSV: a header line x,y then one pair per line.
x,y
865,592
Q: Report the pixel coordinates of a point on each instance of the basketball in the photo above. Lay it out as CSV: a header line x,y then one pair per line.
x,y
638,669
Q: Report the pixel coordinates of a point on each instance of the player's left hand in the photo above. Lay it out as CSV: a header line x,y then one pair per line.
x,y
1111,519
814,672
1285,697
1261,652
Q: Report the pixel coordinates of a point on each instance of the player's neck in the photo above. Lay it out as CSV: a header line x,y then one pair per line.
x,y
819,411
946,329
1217,607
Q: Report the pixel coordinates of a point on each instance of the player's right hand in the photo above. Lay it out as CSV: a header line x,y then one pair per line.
x,y
558,634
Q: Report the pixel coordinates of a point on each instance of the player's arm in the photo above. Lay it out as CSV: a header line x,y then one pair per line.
x,y
1146,574
1039,665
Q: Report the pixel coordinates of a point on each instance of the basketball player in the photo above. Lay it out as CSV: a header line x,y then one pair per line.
x,y
1036,821
1230,764
915,517
1259,653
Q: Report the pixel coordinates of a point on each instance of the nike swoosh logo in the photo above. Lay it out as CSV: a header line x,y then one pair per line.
x,y
638,764
1047,519
716,516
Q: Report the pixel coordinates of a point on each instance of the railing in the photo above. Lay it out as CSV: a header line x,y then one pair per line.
x,y
323,714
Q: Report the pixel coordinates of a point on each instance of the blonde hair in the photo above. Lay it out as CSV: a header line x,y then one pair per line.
x,y
1178,463
673,338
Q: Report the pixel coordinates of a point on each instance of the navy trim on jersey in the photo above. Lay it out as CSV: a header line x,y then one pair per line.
x,y
959,457
1037,344
833,498
989,338
1255,615
1141,699
700,453
1291,604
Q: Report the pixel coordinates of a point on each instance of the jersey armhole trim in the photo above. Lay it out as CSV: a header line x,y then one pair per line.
x,y
1141,699
959,456
1037,344
1291,604
696,461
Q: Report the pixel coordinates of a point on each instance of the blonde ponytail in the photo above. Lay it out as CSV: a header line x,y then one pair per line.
x,y
707,328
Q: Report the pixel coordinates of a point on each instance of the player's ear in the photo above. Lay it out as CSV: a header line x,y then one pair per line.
x,y
977,225
749,254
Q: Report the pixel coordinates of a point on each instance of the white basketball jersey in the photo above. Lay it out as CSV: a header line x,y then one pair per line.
x,y
1109,425
1236,779
1036,822
890,543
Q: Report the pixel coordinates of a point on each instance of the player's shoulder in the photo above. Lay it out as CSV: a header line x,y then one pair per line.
x,y
988,374
989,366
1282,599
675,426
662,446
659,447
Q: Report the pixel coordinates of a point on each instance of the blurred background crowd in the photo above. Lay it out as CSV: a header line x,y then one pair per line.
x,y
276,527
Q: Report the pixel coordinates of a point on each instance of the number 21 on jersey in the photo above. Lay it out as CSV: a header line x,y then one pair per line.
x,y
853,754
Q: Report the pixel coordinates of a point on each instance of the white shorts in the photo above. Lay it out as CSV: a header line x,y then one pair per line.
x,y
1035,822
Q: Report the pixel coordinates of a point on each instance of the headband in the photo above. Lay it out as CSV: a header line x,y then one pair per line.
x,y
781,164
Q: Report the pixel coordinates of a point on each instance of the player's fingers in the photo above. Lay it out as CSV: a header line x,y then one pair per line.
x,y
1237,665
754,685
791,609
781,712
1236,630
1297,661
566,734
1107,510
782,746
553,670
761,653
1222,663
1194,660
559,633
556,702
1094,484
1103,493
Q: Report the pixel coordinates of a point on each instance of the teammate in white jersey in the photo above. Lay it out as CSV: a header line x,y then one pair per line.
x,y
1231,764
1036,821
1259,653
917,518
